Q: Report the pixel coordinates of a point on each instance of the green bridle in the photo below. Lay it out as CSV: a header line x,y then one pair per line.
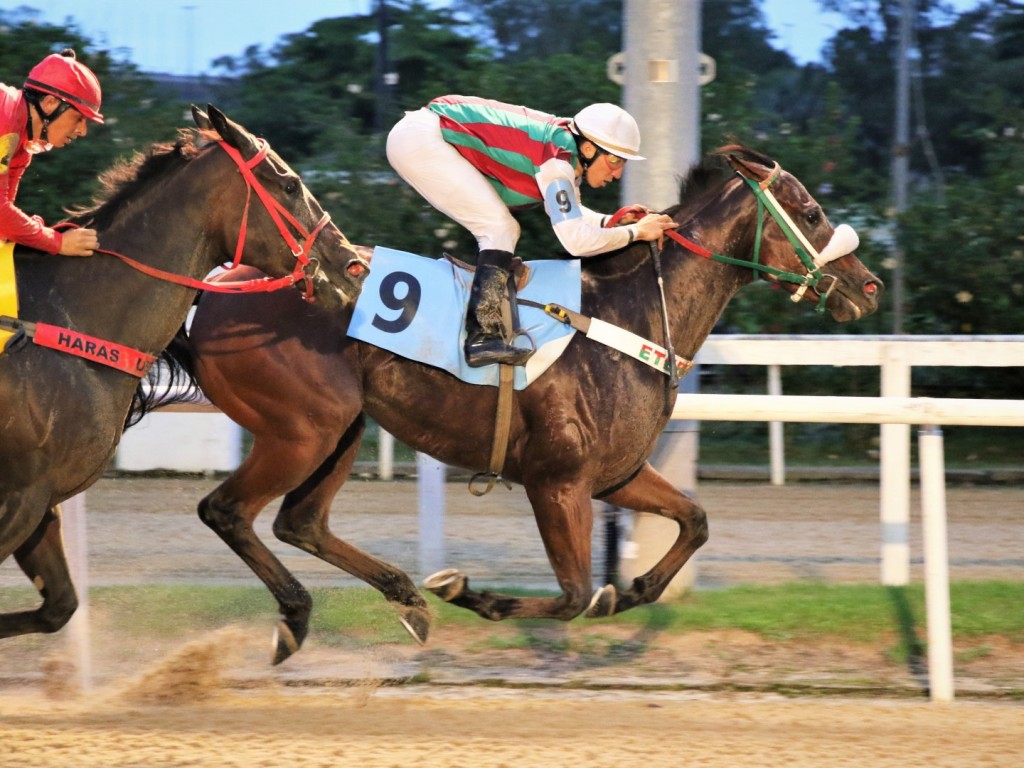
x,y
809,256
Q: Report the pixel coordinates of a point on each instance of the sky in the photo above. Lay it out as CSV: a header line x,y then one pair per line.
x,y
183,37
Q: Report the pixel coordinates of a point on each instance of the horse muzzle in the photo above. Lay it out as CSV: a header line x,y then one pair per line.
x,y
315,279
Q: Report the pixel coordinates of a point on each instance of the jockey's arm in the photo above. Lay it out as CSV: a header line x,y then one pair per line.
x,y
580,230
17,225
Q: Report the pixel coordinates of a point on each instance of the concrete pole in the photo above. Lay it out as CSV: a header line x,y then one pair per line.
x,y
901,160
662,91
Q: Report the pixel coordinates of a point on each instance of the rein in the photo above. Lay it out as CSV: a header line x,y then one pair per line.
x,y
281,219
136,362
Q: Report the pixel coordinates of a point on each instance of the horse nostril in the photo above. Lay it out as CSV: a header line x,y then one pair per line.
x,y
872,288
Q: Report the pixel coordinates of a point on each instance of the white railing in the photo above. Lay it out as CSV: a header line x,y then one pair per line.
x,y
894,410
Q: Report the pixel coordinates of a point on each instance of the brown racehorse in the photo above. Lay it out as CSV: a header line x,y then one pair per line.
x,y
583,430
179,208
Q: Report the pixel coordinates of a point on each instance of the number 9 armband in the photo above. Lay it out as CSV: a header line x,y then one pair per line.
x,y
560,200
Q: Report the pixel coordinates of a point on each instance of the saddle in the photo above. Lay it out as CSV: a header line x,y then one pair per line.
x,y
520,269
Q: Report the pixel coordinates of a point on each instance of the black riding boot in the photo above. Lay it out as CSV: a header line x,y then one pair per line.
x,y
489,319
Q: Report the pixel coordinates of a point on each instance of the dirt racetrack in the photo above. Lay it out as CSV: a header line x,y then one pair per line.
x,y
209,698
490,728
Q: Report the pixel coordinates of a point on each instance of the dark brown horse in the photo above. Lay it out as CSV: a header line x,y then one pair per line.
x,y
583,430
179,209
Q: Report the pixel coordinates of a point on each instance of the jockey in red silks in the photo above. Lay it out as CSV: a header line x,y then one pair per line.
x,y
476,160
53,108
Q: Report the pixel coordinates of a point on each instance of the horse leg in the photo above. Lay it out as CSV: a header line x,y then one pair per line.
x,y
302,522
41,556
230,509
649,491
565,521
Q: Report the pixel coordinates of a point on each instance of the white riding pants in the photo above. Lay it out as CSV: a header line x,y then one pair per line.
x,y
449,182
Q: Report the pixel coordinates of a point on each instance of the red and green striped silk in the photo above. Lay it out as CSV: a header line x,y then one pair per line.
x,y
505,142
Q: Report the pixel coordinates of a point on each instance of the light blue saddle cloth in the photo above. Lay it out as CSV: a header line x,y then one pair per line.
x,y
415,307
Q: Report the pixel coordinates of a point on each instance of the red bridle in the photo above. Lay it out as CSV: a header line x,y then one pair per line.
x,y
277,213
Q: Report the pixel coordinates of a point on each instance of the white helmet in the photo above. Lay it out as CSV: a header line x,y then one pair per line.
x,y
611,127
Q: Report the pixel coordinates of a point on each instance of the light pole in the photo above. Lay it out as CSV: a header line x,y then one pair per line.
x,y
901,159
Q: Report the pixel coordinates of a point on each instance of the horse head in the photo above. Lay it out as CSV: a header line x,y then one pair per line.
x,y
794,243
290,217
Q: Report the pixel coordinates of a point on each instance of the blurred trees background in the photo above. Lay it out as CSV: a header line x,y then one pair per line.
x,y
321,100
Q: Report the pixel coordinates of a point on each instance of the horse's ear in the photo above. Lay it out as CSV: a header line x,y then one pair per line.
x,y
234,134
201,119
747,163
737,163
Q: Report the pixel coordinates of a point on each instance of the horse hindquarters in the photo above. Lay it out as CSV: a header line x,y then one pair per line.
x,y
651,492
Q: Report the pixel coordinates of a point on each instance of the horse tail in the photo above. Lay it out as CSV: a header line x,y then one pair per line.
x,y
171,380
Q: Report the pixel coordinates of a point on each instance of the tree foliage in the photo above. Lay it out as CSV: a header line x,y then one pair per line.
x,y
322,98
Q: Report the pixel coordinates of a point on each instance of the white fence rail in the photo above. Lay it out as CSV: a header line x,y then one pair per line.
x,y
895,410
896,357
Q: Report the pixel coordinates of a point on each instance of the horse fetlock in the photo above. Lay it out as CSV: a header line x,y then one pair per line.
x,y
54,616
699,528
447,584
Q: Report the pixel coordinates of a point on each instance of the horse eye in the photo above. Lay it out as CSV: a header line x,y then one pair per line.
x,y
814,217
292,186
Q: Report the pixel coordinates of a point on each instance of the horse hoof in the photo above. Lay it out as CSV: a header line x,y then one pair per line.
x,y
602,603
284,643
447,584
416,623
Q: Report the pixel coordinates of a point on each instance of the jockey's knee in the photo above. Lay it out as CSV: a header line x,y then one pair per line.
x,y
501,236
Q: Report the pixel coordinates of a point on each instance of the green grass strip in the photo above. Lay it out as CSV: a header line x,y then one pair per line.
x,y
858,613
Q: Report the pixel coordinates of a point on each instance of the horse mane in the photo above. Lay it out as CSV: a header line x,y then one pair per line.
x,y
126,179
128,176
713,170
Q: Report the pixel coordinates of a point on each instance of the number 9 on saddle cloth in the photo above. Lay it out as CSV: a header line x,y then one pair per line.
x,y
414,306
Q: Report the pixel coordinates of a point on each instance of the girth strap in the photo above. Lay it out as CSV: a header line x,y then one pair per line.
x,y
109,353
617,338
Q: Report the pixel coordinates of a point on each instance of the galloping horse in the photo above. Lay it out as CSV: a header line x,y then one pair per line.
x,y
583,430
176,213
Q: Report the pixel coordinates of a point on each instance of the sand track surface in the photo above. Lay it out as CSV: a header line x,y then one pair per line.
x,y
210,697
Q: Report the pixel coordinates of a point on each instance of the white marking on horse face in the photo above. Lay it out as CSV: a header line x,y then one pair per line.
x,y
844,240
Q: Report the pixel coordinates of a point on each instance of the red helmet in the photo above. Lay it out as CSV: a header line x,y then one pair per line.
x,y
63,76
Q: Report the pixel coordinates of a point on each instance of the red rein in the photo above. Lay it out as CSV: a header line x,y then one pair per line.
x,y
640,211
279,216
136,363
